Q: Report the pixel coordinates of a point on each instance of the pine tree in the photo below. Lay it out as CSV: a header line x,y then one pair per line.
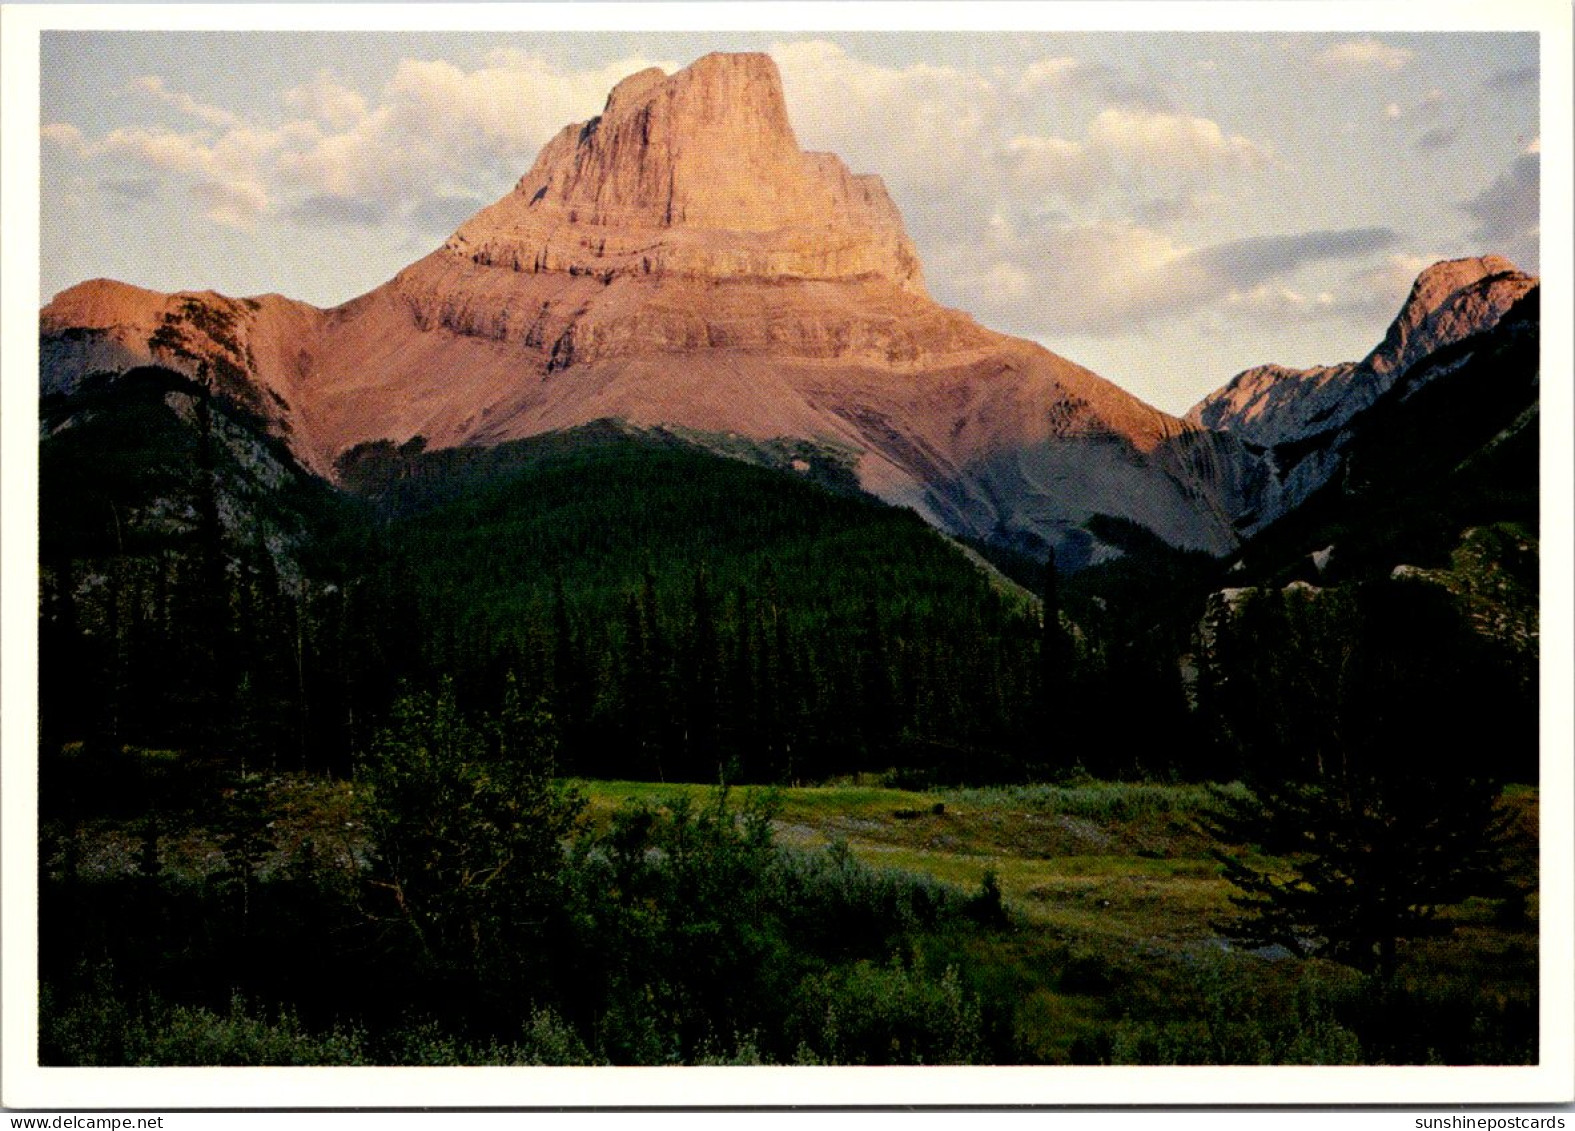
x,y
702,754
1054,731
1389,811
879,713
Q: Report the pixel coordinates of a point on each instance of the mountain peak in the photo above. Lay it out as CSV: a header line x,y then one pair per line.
x,y
628,91
695,174
679,261
1450,300
1449,275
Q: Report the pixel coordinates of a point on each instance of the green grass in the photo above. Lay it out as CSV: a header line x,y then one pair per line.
x,y
1106,861
1114,950
1101,864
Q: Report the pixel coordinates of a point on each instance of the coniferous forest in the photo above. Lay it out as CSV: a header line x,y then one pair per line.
x,y
603,748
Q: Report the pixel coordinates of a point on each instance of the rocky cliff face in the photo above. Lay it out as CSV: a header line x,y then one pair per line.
x,y
1294,424
696,175
679,261
1451,300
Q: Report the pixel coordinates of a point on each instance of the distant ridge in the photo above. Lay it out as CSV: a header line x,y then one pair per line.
x,y
1291,420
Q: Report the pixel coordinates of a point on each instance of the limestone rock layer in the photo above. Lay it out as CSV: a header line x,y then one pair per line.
x,y
699,175
679,261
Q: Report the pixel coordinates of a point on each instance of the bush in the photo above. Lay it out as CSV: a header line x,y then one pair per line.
x,y
97,1029
836,907
870,1014
469,828
1230,1014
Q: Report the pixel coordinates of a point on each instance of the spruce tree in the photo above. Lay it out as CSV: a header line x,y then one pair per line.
x,y
1054,729
1388,811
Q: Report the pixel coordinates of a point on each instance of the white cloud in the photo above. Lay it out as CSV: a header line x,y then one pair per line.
x,y
63,134
1052,164
953,144
914,125
235,204
1175,148
161,149
1087,279
1053,73
434,131
1109,278
1277,301
1167,140
324,99
1356,55
185,103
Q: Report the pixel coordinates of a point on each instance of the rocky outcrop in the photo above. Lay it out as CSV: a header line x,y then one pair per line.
x,y
696,174
679,262
1294,424
1271,404
257,352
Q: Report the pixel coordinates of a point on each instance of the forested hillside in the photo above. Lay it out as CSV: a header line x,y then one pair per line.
x,y
363,723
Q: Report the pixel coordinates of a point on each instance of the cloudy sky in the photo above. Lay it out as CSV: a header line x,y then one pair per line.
x,y
1165,209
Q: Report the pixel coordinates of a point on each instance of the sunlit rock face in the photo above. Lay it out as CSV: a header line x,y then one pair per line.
x,y
1293,424
695,175
1451,300
679,261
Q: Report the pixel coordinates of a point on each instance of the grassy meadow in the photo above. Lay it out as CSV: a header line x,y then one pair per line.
x,y
1078,923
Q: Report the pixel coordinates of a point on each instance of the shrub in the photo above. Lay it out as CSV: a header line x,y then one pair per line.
x,y
871,1014
469,827
1230,1015
837,907
97,1029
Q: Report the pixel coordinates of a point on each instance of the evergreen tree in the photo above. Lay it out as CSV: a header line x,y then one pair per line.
x,y
1388,811
702,754
879,715
1056,730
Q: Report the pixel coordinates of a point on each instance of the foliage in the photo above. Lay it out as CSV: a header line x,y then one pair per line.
x,y
691,618
1223,1019
596,603
468,826
1105,801
1366,731
887,1014
709,936
99,1030
688,934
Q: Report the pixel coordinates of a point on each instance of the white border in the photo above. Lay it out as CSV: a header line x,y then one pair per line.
x,y
24,1085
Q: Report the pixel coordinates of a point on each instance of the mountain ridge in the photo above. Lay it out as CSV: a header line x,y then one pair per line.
x,y
1295,424
627,277
1451,299
679,262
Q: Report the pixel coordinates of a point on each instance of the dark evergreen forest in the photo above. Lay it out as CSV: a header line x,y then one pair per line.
x,y
680,616
442,645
